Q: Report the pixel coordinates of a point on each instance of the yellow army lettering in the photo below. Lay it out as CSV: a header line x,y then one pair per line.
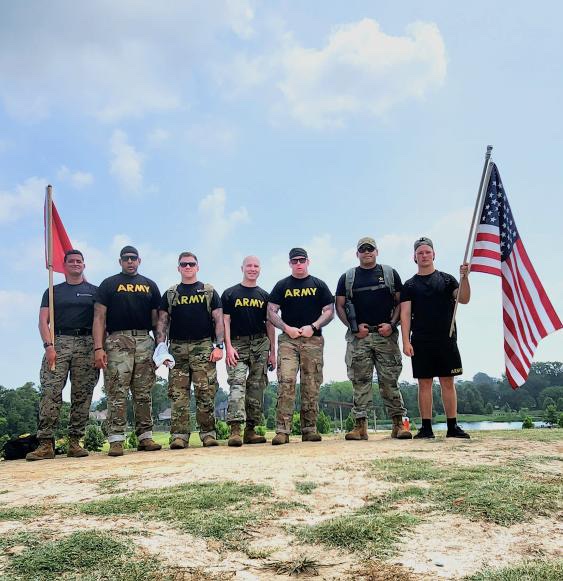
x,y
192,299
246,302
300,292
133,288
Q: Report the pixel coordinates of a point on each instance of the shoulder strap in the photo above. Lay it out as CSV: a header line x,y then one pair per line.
x,y
389,278
172,297
208,290
349,282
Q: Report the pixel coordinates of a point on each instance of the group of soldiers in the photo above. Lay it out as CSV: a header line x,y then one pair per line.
x,y
109,328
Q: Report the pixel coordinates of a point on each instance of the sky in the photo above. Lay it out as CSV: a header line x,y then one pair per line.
x,y
236,127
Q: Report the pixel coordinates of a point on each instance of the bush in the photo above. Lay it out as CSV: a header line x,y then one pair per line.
x,y
61,445
324,425
560,422
260,430
93,438
3,440
550,415
271,419
296,424
222,430
131,441
350,422
527,423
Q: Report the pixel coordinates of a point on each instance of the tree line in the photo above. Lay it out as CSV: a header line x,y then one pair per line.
x,y
483,395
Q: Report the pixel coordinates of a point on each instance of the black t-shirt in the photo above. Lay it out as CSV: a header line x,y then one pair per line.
x,y
190,318
74,305
129,301
301,299
247,309
373,307
432,304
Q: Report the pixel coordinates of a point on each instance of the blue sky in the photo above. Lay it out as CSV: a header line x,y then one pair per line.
x,y
236,127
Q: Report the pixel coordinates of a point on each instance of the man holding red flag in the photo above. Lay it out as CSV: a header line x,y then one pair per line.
x,y
72,353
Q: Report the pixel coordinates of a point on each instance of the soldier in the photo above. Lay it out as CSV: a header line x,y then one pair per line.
x,y
126,307
192,311
250,342
307,305
427,303
73,352
373,290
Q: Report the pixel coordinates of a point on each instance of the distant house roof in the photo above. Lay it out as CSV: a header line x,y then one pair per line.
x,y
165,415
99,416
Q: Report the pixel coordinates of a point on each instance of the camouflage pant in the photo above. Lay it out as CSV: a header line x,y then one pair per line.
x,y
192,365
304,355
247,380
384,353
75,356
130,367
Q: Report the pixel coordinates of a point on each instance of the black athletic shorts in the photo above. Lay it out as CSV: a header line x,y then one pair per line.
x,y
436,359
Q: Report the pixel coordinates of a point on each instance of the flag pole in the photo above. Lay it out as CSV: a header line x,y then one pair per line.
x,y
50,265
476,212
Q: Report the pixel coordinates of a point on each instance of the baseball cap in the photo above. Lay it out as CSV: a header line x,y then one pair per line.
x,y
423,240
294,252
129,250
366,240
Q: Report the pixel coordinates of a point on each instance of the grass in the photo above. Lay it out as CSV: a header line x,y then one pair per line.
x,y
373,530
305,487
111,485
504,494
21,539
209,510
526,571
20,513
300,565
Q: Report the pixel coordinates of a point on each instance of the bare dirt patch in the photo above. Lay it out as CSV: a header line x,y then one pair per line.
x,y
442,546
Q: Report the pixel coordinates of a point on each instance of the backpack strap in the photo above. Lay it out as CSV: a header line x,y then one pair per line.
x,y
349,282
208,290
388,278
172,297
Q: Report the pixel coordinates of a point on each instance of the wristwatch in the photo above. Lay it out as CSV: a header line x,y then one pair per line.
x,y
47,344
218,346
314,327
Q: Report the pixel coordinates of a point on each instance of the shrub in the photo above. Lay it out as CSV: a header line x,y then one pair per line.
x,y
527,423
131,441
222,430
61,446
560,422
550,414
324,425
271,419
350,422
93,438
296,424
260,430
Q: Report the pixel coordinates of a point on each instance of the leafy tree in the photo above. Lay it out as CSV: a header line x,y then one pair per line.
x,y
19,408
222,430
350,422
160,400
560,421
553,392
271,419
489,410
527,423
560,404
550,415
324,425
296,424
94,438
548,402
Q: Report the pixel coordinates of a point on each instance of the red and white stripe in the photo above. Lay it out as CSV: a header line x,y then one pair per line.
x,y
528,314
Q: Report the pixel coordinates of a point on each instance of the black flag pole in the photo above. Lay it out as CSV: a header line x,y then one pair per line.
x,y
486,174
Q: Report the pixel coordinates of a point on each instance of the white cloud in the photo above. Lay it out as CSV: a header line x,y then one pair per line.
x,y
25,198
157,137
15,304
77,179
216,224
127,163
360,71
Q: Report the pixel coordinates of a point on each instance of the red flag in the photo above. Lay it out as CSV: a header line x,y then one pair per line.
x,y
61,241
527,312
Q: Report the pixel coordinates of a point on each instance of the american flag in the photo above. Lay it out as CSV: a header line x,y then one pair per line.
x,y
527,312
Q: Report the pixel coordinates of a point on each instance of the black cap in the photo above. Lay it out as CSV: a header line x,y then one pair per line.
x,y
129,250
294,252
423,241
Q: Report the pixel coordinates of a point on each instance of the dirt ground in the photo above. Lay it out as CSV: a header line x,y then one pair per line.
x,y
443,546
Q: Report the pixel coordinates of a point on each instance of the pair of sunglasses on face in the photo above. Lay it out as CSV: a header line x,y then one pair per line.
x,y
298,260
190,264
129,258
365,248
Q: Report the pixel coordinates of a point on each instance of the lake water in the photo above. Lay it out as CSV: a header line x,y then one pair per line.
x,y
477,426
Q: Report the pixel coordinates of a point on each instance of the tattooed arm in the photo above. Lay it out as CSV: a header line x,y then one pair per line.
x,y
162,325
276,320
217,315
326,316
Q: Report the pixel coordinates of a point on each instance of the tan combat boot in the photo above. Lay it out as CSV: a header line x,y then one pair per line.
x,y
235,441
115,449
279,439
209,441
360,431
311,437
178,444
251,437
44,451
75,450
399,430
148,445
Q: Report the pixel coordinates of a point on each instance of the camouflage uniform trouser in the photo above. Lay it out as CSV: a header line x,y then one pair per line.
x,y
192,365
304,354
130,367
384,353
247,380
75,356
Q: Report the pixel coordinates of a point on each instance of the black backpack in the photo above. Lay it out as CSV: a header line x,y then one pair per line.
x,y
17,448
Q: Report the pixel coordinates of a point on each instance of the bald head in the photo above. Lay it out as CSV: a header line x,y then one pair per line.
x,y
250,270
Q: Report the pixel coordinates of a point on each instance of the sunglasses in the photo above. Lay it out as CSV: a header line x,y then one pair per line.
x,y
190,264
365,248
298,260
129,258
